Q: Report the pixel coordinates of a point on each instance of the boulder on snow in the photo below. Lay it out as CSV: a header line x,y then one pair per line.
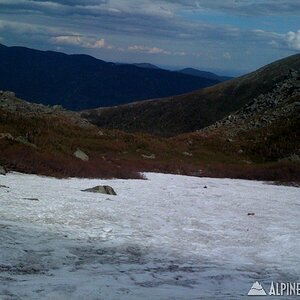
x,y
81,155
101,189
2,170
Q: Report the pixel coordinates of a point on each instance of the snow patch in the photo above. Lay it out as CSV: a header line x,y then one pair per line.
x,y
161,238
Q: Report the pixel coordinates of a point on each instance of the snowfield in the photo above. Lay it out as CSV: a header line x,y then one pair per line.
x,y
167,237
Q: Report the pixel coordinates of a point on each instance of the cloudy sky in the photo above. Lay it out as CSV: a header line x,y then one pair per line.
x,y
228,36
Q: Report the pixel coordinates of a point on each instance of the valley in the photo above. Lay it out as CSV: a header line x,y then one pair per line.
x,y
257,139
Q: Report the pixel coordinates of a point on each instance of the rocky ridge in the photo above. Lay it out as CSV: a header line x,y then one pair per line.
x,y
283,101
10,103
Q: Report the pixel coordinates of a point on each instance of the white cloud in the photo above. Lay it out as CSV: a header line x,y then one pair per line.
x,y
293,40
274,44
99,44
149,50
68,39
161,7
77,40
251,7
181,53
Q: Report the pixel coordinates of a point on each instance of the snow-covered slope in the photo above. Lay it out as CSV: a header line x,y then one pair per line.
x,y
163,238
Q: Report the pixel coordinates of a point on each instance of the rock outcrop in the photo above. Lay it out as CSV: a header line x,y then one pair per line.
x,y
19,139
10,103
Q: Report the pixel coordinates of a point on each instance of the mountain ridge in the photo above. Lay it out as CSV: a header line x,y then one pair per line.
x,y
195,110
80,81
206,74
146,65
44,140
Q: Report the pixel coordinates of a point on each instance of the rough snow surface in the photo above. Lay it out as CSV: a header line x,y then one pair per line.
x,y
167,237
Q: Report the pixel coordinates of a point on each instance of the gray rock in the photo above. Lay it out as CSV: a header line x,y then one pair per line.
x,y
187,153
6,136
152,156
297,106
293,74
292,158
9,94
24,141
101,189
81,155
57,107
19,139
2,170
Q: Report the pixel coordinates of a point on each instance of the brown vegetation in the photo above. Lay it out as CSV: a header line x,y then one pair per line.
x,y
281,171
115,154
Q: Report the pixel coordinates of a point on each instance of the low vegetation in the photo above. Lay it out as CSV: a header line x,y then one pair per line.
x,y
115,154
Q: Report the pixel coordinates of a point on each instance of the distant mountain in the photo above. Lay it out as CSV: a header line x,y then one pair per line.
x,y
189,71
205,74
147,66
80,81
195,110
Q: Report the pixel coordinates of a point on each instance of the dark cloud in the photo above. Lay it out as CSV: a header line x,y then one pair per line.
x,y
75,2
149,22
136,17
151,27
155,7
252,7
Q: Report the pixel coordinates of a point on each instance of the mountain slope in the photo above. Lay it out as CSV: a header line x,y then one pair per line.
x,y
44,140
196,110
268,127
79,81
